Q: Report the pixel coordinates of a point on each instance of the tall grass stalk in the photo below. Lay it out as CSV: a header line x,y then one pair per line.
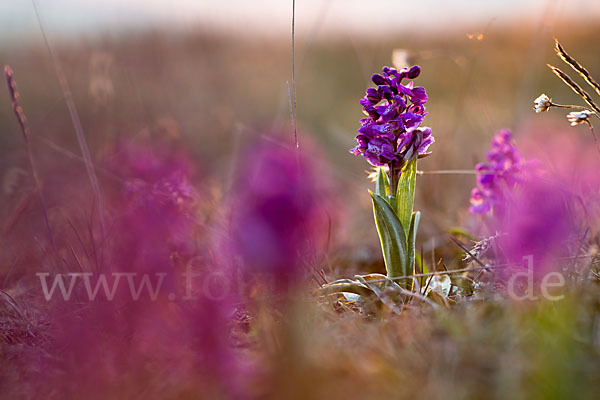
x,y
293,97
22,120
66,90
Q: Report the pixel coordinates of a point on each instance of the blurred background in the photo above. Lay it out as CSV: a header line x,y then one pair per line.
x,y
214,77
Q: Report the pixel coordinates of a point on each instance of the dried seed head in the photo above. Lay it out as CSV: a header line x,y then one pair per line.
x,y
14,96
576,88
583,72
542,103
579,117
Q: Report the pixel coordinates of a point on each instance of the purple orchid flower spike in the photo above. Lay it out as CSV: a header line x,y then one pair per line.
x,y
498,176
391,135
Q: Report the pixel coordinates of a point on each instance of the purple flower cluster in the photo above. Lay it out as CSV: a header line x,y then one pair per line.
x,y
500,173
278,213
391,133
541,221
156,203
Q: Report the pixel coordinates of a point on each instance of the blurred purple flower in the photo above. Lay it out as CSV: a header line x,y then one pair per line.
x,y
503,170
277,213
540,221
390,134
156,205
479,203
99,343
553,207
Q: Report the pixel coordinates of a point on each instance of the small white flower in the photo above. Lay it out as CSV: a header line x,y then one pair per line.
x,y
542,103
439,283
579,117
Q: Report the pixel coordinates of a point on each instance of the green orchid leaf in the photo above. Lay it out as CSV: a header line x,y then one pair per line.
x,y
392,201
405,194
392,237
412,240
382,187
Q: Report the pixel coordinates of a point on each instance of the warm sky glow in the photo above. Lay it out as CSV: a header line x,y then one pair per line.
x,y
272,16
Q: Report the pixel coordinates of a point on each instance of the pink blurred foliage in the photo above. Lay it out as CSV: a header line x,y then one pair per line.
x,y
169,346
555,209
279,217
154,209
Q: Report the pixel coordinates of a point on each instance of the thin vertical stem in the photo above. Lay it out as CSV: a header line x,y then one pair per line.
x,y
595,137
64,85
394,177
294,116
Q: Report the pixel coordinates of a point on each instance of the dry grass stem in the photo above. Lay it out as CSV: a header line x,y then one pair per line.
x,y
22,120
576,88
581,70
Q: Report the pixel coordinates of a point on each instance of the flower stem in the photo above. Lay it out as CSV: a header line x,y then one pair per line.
x,y
394,177
595,137
575,107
